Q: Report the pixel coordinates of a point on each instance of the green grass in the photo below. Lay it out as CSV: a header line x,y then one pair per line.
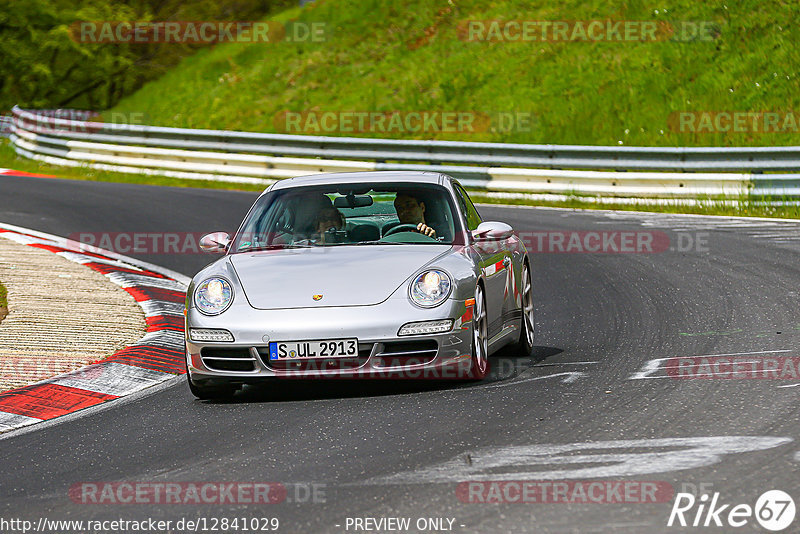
x,y
3,297
386,55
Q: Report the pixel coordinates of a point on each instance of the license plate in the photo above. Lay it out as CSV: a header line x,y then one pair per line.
x,y
304,350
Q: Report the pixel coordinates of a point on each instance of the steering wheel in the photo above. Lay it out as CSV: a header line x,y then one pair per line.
x,y
401,228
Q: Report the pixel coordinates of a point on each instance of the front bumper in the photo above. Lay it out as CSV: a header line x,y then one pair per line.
x,y
382,353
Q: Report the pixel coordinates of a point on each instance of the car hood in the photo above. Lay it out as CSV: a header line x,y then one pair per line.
x,y
343,275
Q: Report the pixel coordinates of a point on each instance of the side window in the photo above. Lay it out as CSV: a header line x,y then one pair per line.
x,y
473,219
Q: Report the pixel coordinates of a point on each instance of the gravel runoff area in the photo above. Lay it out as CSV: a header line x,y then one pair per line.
x,y
64,316
3,302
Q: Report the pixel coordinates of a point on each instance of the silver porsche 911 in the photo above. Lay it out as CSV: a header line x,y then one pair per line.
x,y
357,275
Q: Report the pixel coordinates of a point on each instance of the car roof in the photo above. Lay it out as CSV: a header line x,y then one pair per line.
x,y
417,177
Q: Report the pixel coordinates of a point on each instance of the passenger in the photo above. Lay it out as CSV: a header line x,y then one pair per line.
x,y
330,224
411,210
305,209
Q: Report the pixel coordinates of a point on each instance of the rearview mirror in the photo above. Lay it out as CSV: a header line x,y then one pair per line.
x,y
215,242
492,231
352,201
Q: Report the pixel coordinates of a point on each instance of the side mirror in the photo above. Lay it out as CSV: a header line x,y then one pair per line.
x,y
492,231
215,242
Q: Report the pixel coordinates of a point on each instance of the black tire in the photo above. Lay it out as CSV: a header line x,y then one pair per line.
x,y
216,392
524,345
479,363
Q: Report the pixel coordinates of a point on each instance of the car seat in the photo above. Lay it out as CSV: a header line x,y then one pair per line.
x,y
365,232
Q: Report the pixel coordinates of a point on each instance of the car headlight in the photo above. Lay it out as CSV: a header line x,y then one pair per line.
x,y
430,288
213,296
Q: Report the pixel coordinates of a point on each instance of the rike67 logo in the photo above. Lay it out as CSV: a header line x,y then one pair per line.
x,y
774,510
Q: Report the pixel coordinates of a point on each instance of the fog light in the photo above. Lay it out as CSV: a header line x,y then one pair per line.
x,y
209,334
426,327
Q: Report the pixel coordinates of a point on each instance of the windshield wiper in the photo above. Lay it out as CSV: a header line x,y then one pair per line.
x,y
273,247
378,242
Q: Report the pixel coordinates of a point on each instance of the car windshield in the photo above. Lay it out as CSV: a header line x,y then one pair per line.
x,y
349,214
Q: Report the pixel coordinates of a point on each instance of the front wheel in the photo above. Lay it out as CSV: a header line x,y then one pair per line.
x,y
480,340
526,331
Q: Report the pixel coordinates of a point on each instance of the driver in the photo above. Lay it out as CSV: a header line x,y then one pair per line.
x,y
411,210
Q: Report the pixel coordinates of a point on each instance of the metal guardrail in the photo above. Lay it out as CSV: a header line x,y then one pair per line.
x,y
5,125
261,157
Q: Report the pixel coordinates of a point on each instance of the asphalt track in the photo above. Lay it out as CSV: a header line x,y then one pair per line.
x,y
400,450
